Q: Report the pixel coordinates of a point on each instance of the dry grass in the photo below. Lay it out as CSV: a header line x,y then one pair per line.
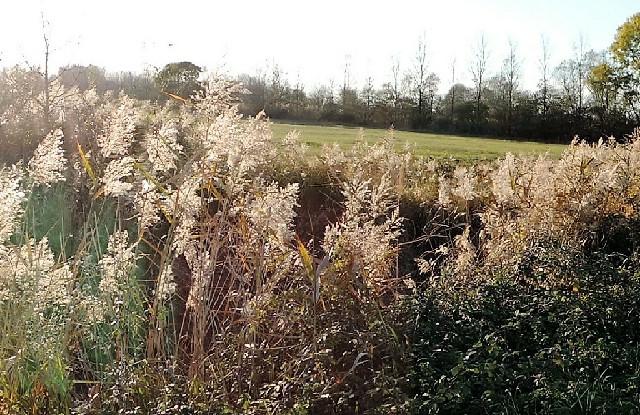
x,y
191,281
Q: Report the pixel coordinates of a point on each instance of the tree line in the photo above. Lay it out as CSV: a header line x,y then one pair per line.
x,y
590,94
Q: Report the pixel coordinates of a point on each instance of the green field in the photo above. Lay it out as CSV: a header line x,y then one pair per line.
x,y
436,145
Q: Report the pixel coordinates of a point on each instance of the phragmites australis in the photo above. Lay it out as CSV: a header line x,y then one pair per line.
x,y
12,197
48,163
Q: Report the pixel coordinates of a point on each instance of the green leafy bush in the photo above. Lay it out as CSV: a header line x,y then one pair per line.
x,y
556,334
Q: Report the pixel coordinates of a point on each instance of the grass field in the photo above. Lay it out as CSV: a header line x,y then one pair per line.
x,y
436,145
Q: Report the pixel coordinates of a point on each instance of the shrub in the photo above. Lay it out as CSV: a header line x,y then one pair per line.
x,y
557,334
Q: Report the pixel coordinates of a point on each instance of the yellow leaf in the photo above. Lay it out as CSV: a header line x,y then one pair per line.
x,y
86,164
307,259
176,97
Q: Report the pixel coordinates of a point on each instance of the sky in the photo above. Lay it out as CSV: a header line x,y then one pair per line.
x,y
308,40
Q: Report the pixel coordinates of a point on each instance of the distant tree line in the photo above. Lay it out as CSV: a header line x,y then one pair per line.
x,y
590,94
139,85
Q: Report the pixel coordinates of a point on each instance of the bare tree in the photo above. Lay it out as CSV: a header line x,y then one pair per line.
x,y
478,71
572,75
47,97
299,96
566,75
544,83
279,98
581,70
431,90
395,73
346,82
453,87
53,92
511,79
331,91
368,100
420,75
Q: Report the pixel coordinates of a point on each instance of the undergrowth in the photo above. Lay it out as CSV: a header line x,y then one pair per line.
x,y
178,259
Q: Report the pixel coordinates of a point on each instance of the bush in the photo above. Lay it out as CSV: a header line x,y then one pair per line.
x,y
557,334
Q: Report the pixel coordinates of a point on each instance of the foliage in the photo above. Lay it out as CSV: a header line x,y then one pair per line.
x,y
178,258
533,307
626,53
522,342
179,78
589,94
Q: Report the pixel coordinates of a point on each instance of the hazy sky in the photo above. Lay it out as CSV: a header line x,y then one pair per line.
x,y
306,39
